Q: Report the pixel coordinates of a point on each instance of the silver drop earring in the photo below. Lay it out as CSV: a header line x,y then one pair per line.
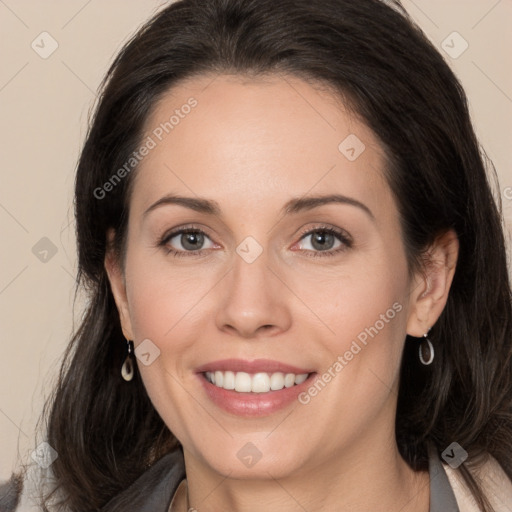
x,y
426,350
128,370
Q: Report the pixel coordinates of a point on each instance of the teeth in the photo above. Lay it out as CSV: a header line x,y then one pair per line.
x,y
256,383
276,381
242,382
229,380
289,380
299,379
260,383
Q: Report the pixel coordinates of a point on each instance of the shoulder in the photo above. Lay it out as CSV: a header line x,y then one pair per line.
x,y
493,480
151,492
10,493
24,491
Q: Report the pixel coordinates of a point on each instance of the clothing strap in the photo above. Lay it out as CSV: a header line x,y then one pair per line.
x,y
442,498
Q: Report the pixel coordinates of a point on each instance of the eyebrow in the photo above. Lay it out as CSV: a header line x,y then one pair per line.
x,y
310,202
294,205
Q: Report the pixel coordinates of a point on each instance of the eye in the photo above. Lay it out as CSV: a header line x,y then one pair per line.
x,y
325,240
186,240
321,241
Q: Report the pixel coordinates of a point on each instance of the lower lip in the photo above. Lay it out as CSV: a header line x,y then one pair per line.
x,y
253,404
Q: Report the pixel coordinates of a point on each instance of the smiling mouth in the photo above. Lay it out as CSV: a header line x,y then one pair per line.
x,y
261,382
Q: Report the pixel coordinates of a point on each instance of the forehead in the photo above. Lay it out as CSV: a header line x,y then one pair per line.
x,y
247,140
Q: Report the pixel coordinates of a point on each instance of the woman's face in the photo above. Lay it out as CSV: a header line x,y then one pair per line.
x,y
293,268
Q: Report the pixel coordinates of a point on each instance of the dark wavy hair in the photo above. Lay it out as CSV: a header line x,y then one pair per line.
x,y
381,65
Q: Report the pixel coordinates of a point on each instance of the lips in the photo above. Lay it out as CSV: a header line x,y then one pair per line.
x,y
256,366
253,388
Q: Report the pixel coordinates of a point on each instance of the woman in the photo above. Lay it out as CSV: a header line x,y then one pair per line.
x,y
298,287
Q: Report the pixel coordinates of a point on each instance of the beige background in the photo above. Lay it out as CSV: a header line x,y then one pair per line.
x,y
44,106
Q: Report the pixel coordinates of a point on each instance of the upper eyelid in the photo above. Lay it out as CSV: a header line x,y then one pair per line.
x,y
178,231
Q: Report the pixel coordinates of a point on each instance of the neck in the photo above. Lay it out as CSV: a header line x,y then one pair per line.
x,y
369,476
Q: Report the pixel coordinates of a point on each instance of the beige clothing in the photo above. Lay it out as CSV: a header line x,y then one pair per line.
x,y
494,482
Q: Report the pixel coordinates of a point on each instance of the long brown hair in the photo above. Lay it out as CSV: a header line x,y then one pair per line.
x,y
105,430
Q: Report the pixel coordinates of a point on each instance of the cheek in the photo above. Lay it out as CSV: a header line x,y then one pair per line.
x,y
363,311
360,298
361,360
165,307
163,297
370,336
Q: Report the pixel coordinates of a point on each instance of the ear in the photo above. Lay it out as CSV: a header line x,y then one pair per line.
x,y
118,285
431,286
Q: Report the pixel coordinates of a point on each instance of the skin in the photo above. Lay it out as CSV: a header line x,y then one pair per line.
x,y
251,145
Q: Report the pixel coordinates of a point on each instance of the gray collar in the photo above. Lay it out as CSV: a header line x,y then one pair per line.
x,y
442,498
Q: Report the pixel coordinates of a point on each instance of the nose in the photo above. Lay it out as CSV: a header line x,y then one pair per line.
x,y
253,300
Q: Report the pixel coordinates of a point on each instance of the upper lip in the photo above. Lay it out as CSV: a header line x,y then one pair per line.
x,y
255,366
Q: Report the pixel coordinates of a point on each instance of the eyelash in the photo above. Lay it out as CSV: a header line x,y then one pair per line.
x,y
342,236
